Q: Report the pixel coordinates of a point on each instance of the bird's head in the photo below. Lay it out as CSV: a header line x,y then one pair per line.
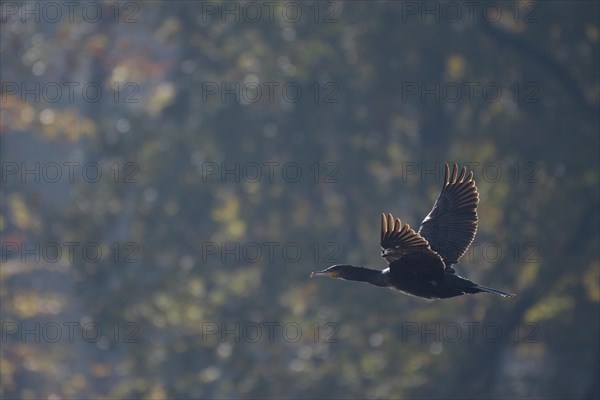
x,y
335,271
352,273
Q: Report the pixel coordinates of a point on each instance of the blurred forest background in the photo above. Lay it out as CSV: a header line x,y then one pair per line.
x,y
378,95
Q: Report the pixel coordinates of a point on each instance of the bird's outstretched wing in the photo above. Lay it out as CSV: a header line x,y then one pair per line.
x,y
451,225
404,248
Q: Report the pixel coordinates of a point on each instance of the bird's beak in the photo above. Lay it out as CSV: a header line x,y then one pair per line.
x,y
331,274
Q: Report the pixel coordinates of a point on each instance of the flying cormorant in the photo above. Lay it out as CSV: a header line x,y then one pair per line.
x,y
420,263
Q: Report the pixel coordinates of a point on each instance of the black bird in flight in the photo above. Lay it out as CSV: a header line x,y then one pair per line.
x,y
420,263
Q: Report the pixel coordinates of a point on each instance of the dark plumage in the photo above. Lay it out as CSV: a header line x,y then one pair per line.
x,y
420,264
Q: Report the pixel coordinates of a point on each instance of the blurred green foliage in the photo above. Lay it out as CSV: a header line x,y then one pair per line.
x,y
166,56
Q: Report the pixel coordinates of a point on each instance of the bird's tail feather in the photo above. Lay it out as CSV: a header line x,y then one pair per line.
x,y
491,290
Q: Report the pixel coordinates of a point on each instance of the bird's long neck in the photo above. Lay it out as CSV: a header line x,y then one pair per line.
x,y
361,274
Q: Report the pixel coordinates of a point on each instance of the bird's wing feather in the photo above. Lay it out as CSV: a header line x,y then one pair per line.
x,y
405,249
451,225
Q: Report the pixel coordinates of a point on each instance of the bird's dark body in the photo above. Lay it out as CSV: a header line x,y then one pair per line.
x,y
446,286
450,286
420,262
